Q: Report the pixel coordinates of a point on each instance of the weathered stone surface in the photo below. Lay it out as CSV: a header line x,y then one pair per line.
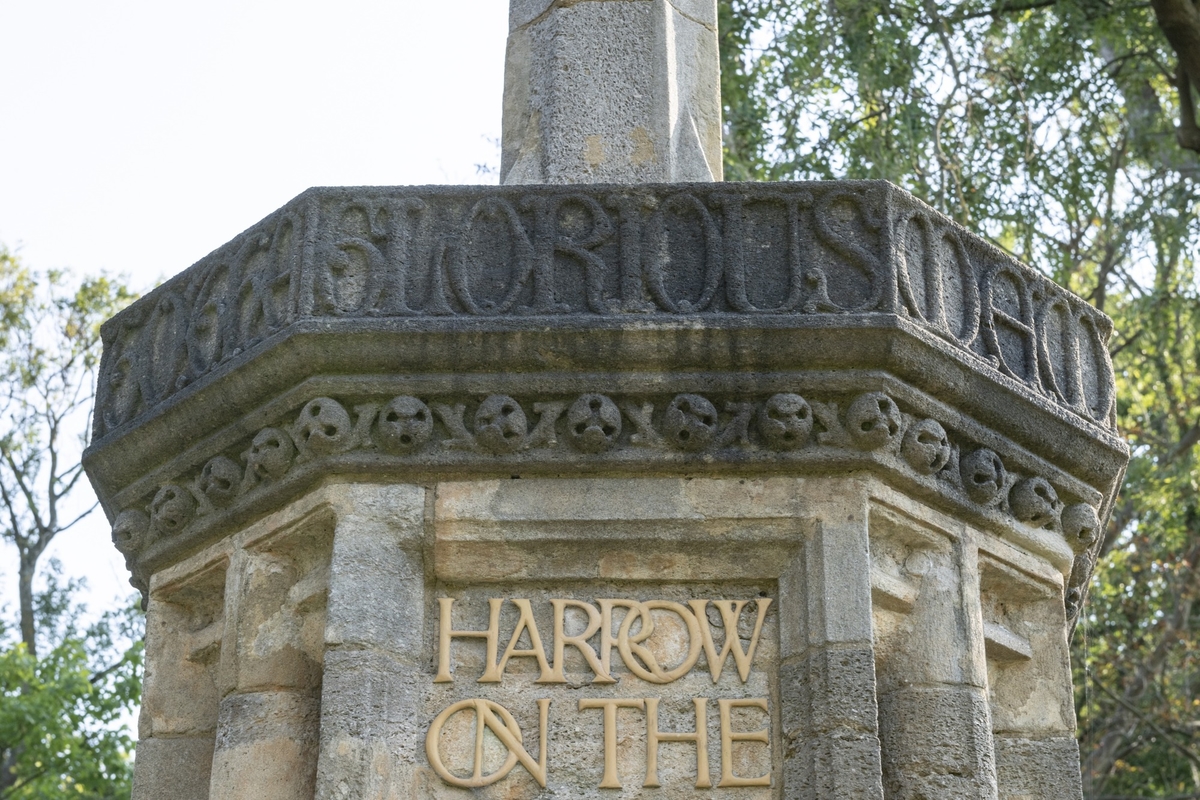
x,y
812,546
937,744
371,725
377,576
834,691
1038,769
338,448
824,255
173,768
266,746
451,331
1029,679
619,91
839,765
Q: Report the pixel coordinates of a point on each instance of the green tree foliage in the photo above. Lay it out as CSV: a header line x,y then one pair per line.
x,y
63,715
49,350
66,688
1062,130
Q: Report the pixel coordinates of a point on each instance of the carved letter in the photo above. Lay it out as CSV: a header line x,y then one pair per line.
x,y
735,267
738,429
633,293
525,622
631,646
656,256
446,633
522,266
549,243
729,736
500,722
544,435
610,779
642,418
452,418
579,642
1008,309
731,612
700,737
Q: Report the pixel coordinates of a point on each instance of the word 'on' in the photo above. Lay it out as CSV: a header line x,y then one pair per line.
x,y
493,717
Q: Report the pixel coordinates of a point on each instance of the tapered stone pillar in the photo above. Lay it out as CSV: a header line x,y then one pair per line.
x,y
612,91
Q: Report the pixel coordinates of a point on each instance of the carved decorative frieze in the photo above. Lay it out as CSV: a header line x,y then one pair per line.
x,y
424,435
587,255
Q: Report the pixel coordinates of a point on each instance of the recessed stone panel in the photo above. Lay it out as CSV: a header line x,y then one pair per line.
x,y
632,685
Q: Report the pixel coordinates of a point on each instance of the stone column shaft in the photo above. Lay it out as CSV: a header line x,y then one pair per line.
x,y
619,91
267,732
935,722
370,706
830,664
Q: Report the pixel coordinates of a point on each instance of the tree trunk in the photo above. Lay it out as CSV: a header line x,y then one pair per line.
x,y
1189,131
25,589
7,776
10,755
1179,20
1180,23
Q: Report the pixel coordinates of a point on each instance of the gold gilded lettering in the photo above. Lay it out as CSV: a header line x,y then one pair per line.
x,y
731,612
631,645
611,780
729,736
497,719
446,633
700,738
607,642
525,623
579,642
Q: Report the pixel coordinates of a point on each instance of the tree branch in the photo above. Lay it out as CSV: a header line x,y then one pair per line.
x,y
1188,133
1187,752
1179,21
1099,763
18,473
79,518
1001,9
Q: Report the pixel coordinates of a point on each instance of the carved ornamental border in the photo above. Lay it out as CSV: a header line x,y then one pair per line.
x,y
587,254
951,460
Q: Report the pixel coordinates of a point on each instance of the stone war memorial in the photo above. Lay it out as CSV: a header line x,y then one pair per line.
x,y
612,481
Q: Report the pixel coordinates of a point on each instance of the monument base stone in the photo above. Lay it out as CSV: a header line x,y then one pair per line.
x,y
748,491
352,657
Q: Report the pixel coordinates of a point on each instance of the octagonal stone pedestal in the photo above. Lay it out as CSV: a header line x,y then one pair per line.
x,y
449,491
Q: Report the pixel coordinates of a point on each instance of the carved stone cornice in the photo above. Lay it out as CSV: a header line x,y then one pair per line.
x,y
490,322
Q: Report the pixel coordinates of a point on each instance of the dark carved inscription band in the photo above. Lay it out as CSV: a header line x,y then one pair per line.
x,y
590,253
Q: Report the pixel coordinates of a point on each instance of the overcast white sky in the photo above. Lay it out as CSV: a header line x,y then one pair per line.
x,y
138,135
